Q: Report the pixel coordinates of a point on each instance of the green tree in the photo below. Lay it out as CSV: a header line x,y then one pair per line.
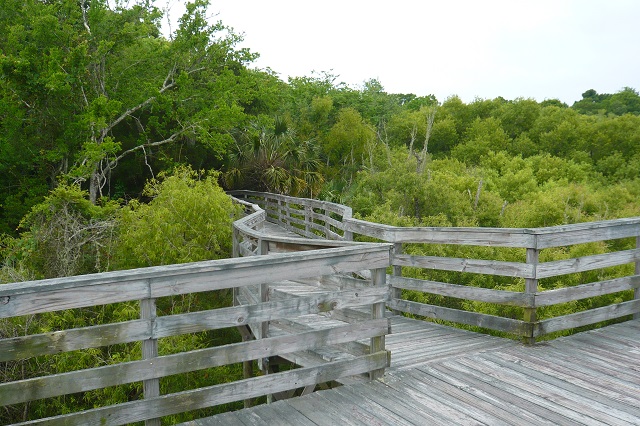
x,y
188,219
270,157
101,85
349,142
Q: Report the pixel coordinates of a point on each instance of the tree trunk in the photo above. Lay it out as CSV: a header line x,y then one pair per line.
x,y
94,186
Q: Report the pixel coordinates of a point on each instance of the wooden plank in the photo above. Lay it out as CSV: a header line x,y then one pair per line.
x,y
383,414
477,266
530,315
427,354
511,394
251,221
583,291
150,387
509,298
294,327
70,340
220,394
57,294
571,380
274,309
429,400
591,316
97,289
224,419
277,267
491,322
618,360
413,411
321,412
289,414
265,413
574,405
378,280
586,263
349,409
469,396
492,237
460,403
602,366
154,368
580,233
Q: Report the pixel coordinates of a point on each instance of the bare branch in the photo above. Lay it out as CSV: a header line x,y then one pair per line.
x,y
85,7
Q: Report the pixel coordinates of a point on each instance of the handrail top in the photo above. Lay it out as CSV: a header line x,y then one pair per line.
x,y
491,230
530,238
337,208
184,269
530,231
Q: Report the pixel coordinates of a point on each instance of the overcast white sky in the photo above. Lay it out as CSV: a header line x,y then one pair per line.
x,y
539,49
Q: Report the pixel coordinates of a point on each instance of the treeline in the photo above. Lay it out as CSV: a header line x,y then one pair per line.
x,y
96,97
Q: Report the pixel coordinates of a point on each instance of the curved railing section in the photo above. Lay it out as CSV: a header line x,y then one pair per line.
x,y
526,267
144,288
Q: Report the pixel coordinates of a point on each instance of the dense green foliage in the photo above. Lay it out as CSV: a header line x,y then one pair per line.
x,y
95,104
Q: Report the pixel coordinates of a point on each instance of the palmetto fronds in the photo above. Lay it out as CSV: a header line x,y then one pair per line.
x,y
272,159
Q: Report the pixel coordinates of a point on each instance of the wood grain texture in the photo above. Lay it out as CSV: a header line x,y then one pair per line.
x,y
463,317
154,367
502,297
490,267
220,394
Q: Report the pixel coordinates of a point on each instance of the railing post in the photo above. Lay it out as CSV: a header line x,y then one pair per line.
x,y
348,235
636,291
396,293
235,252
151,387
378,279
531,288
263,364
308,212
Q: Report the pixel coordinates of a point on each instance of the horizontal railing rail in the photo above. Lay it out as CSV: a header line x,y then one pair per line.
x,y
145,287
524,269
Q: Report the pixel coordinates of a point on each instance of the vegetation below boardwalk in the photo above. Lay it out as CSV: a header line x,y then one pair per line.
x,y
105,126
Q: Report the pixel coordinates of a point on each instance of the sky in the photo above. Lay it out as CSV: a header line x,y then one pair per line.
x,y
542,49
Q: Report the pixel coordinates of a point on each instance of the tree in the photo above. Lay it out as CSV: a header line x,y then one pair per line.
x,y
188,219
270,157
67,235
103,85
346,143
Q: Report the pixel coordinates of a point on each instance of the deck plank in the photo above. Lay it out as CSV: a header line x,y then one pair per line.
x,y
590,378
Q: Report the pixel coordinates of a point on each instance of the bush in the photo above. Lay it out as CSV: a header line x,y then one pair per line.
x,y
188,219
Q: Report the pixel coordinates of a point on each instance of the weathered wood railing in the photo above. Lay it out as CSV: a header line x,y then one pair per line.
x,y
147,285
529,270
306,217
250,239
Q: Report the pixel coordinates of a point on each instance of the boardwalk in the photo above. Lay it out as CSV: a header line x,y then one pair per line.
x,y
318,298
440,375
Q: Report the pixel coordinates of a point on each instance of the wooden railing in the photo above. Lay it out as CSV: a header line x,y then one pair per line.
x,y
304,216
327,250
146,286
528,271
251,239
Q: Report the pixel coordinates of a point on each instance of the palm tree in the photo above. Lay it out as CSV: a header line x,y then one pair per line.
x,y
271,159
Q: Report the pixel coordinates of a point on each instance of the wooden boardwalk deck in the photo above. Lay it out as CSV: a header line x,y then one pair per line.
x,y
440,375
